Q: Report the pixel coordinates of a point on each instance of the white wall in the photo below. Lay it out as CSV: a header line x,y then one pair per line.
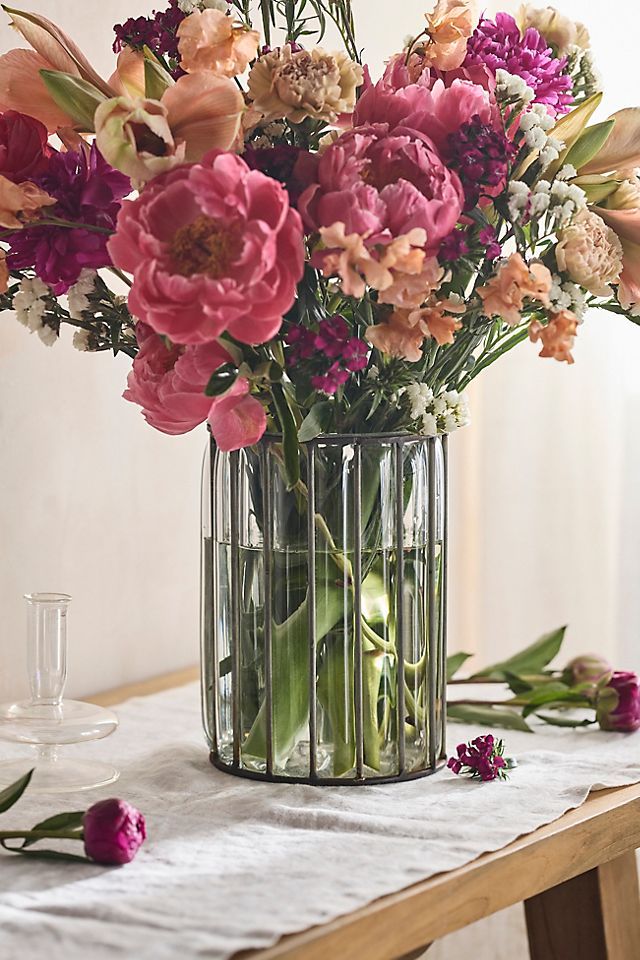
x,y
92,501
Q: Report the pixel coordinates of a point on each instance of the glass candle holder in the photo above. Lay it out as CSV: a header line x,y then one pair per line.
x,y
47,721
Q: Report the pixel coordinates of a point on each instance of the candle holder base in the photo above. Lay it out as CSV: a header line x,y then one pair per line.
x,y
59,775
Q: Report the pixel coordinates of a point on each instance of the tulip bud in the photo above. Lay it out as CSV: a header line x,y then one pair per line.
x,y
78,98
134,136
114,831
589,668
618,704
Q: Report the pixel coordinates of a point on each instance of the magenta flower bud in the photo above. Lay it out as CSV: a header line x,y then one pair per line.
x,y
589,668
618,705
113,831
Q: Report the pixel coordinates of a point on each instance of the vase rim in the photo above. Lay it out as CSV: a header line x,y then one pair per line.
x,y
342,439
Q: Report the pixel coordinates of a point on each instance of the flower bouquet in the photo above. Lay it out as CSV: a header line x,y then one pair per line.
x,y
317,265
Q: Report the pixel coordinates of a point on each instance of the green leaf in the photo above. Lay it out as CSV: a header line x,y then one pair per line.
x,y
317,421
541,694
454,662
553,698
487,716
290,446
47,854
65,822
532,659
221,380
589,144
564,721
12,794
77,97
156,80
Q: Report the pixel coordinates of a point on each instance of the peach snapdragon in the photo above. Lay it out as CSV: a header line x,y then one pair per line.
x,y
557,336
210,40
516,281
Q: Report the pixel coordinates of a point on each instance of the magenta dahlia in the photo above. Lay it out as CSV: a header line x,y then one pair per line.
x,y
88,191
499,45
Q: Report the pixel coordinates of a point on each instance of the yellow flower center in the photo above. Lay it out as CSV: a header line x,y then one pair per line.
x,y
205,246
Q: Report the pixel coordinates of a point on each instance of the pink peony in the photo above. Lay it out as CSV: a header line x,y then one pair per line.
x,y
212,246
168,382
381,185
427,106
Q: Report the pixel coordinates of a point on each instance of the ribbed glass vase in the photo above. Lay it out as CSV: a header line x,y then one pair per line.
x,y
324,609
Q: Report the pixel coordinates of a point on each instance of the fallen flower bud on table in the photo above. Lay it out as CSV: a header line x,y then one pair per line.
x,y
112,830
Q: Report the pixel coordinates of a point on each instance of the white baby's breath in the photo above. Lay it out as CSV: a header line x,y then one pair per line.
x,y
30,307
434,415
78,294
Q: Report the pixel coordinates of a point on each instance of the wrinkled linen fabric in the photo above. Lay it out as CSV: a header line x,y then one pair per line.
x,y
232,864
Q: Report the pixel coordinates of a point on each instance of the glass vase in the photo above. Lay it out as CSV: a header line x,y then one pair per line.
x,y
323,609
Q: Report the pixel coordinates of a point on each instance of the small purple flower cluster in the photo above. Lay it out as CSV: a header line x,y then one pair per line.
x,y
157,32
332,341
480,155
499,46
88,191
481,759
458,243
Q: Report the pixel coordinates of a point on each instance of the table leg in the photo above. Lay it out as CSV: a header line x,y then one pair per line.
x,y
415,954
595,916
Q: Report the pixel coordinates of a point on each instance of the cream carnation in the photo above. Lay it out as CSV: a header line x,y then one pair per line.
x,y
304,83
556,29
591,253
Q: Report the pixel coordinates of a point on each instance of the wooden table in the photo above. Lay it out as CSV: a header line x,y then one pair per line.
x,y
577,878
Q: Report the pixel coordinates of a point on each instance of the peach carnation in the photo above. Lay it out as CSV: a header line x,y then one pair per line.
x,y
591,253
293,85
557,337
515,281
210,40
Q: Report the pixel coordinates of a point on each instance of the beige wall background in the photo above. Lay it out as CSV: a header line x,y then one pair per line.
x,y
545,510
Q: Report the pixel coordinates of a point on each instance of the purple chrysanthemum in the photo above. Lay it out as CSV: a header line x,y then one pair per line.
x,y
482,759
480,156
88,191
157,32
499,46
333,353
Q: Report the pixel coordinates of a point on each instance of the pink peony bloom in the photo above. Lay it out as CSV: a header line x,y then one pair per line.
x,y
168,382
382,185
213,246
237,419
427,106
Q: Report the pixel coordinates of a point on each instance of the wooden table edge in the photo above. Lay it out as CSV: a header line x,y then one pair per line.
x,y
603,828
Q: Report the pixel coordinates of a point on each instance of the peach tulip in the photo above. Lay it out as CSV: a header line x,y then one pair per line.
x,y
144,138
21,85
